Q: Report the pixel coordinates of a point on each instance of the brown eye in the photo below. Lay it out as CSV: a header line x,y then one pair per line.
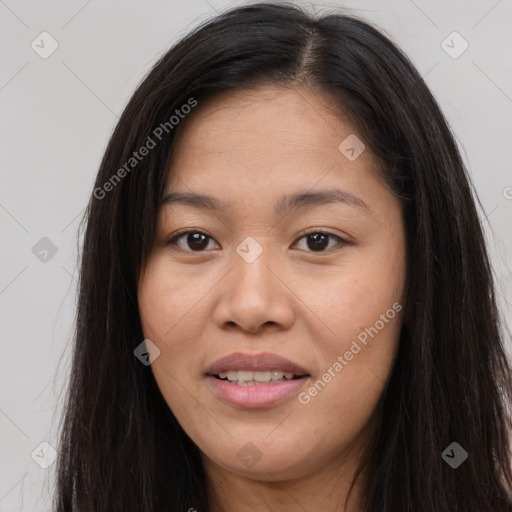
x,y
197,241
318,241
194,241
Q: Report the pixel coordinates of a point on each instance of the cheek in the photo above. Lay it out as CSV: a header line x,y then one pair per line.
x,y
168,301
166,312
362,307
353,296
356,365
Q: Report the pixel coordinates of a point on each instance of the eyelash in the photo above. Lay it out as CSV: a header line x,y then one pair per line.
x,y
173,240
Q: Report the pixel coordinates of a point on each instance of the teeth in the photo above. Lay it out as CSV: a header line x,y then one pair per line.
x,y
264,376
245,377
232,375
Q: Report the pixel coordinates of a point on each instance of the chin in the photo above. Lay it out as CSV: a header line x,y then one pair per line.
x,y
273,463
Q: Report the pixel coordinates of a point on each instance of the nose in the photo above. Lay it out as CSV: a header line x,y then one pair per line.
x,y
255,296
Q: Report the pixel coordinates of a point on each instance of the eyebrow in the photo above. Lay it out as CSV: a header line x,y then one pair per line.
x,y
283,206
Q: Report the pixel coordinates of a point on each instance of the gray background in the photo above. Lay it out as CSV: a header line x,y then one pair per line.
x,y
57,114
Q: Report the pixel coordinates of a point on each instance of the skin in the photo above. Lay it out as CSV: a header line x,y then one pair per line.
x,y
249,148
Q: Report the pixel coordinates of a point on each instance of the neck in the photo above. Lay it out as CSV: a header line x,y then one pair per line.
x,y
325,490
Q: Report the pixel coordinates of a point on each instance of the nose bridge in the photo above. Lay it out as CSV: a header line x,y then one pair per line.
x,y
252,275
252,294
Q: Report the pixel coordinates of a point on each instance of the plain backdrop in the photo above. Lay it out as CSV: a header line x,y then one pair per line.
x,y
57,114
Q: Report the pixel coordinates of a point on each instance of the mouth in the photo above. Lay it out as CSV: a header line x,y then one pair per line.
x,y
249,381
257,378
254,394
255,366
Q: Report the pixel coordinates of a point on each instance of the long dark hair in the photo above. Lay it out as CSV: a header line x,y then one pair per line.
x,y
121,448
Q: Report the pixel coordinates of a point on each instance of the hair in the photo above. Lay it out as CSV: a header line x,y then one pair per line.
x,y
122,449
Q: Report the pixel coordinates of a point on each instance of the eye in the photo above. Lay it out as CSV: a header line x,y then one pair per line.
x,y
319,240
197,241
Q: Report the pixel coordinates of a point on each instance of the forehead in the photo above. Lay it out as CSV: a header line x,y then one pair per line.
x,y
257,142
295,121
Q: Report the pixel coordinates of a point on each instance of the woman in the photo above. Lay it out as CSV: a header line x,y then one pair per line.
x,y
285,300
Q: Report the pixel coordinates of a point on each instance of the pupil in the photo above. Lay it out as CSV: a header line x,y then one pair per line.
x,y
319,241
195,237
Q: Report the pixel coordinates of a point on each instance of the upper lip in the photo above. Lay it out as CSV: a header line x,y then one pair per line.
x,y
255,362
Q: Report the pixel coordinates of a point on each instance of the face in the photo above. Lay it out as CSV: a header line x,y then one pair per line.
x,y
312,286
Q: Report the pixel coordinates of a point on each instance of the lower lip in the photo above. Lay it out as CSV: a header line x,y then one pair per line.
x,y
254,396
